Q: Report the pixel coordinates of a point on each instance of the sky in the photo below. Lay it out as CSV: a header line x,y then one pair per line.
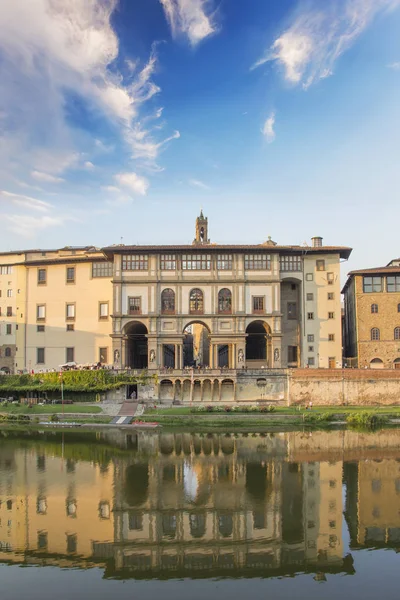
x,y
120,120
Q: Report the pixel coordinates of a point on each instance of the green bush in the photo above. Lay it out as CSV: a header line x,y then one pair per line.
x,y
366,418
54,418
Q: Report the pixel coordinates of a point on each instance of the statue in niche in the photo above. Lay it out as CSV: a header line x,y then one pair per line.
x,y
152,356
116,356
276,354
240,355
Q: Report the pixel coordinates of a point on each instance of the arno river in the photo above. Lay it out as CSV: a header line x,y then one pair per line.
x,y
184,516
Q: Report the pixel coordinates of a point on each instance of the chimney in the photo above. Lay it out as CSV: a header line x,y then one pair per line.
x,y
316,242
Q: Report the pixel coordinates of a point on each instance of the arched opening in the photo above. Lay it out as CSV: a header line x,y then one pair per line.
x,y
168,302
196,345
5,370
376,363
225,301
257,341
227,390
375,334
166,390
137,345
196,302
396,363
397,333
136,484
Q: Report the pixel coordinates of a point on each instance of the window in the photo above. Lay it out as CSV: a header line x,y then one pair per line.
x,y
372,284
291,263
310,297
168,262
70,327
9,293
375,334
258,304
393,283
257,262
310,316
331,296
397,333
292,354
69,355
70,312
41,276
6,270
196,302
9,311
70,274
331,315
196,262
398,308
309,277
40,328
40,312
102,269
8,329
331,337
135,262
40,356
168,302
224,262
311,348
103,356
134,306
374,308
331,278
311,361
7,352
310,337
72,543
320,265
103,310
292,310
225,301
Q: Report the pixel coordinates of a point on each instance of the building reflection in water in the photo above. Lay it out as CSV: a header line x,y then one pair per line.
x,y
167,505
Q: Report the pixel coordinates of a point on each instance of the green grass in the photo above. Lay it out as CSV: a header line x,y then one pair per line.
x,y
279,410
23,409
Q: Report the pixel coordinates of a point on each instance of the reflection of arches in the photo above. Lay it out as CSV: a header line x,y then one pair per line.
x,y
197,525
227,445
225,524
257,341
196,344
137,345
136,484
196,302
168,302
225,301
256,481
167,443
376,363
396,363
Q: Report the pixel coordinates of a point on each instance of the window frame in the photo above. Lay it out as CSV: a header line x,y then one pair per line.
x,y
310,338
131,304
331,315
227,301
331,337
42,328
68,317
8,328
168,262
38,317
396,333
375,334
135,262
168,295
396,284
224,262
310,316
105,361
107,316
102,269
292,315
68,350
374,285
196,262
258,300
289,263
331,296
70,327
311,361
43,351
309,276
39,280
310,297
320,264
69,280
9,312
200,309
257,262
374,308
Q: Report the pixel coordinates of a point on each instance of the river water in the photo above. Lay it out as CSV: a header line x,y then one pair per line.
x,y
194,516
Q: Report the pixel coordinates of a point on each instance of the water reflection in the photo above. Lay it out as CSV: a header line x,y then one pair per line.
x,y
168,505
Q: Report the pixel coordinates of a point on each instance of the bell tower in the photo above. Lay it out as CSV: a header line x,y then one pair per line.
x,y
201,230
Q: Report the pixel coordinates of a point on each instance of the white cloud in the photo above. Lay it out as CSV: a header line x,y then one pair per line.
x,y
395,66
40,176
308,49
199,184
192,18
268,129
88,165
134,182
110,188
25,201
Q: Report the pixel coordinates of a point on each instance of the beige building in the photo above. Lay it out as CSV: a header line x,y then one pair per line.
x,y
372,317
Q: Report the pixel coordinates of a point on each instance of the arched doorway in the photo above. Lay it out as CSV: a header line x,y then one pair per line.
x,y
196,345
137,346
376,363
396,363
258,342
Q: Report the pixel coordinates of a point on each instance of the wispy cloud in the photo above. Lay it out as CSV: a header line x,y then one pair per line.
x,y
199,184
40,176
308,50
25,201
192,18
268,128
110,188
395,66
28,226
88,165
133,182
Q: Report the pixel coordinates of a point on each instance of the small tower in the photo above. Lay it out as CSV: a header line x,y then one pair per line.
x,y
201,230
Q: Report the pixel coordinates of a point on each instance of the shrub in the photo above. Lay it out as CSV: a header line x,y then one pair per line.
x,y
366,418
209,408
245,409
271,408
54,418
228,408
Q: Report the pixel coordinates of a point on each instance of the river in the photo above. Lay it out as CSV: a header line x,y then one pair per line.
x,y
193,516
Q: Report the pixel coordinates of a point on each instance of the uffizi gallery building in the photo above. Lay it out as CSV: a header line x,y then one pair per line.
x,y
203,305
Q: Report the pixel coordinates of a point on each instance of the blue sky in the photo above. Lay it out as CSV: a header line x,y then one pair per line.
x,y
277,117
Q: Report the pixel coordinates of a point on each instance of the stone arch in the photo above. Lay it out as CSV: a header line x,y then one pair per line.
x,y
397,333
227,390
136,345
166,390
396,363
215,394
5,370
376,363
186,390
375,334
258,342
196,344
197,390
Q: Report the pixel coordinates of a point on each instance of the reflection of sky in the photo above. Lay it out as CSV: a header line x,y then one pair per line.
x,y
190,481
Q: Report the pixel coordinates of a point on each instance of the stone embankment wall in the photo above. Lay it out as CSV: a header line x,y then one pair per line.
x,y
363,387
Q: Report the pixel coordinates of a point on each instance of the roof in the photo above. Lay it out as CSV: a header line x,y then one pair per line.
x,y
343,251
373,271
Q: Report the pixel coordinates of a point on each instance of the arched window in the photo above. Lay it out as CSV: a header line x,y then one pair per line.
x,y
374,308
375,334
168,302
225,301
196,302
8,352
397,333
